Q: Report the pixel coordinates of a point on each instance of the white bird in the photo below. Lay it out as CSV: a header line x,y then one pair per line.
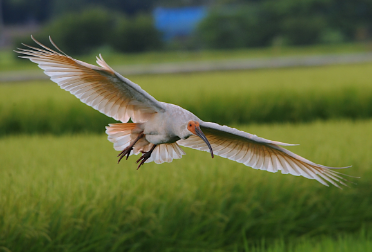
x,y
159,128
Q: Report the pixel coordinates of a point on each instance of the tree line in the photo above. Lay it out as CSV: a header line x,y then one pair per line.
x,y
128,26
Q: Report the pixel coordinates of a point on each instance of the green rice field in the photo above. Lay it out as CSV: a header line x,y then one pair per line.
x,y
67,193
240,97
61,188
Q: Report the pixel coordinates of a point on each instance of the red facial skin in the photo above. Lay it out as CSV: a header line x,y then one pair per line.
x,y
194,127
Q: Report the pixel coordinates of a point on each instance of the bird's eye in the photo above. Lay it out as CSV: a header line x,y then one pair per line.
x,y
190,125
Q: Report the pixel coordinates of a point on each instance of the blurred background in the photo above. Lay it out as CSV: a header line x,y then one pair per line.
x,y
287,70
80,26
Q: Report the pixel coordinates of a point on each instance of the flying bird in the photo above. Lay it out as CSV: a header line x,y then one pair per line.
x,y
158,129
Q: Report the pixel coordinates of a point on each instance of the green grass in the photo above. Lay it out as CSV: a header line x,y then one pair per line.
x,y
265,96
9,61
343,243
68,194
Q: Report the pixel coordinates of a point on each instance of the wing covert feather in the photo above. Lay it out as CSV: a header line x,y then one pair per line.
x,y
99,87
260,153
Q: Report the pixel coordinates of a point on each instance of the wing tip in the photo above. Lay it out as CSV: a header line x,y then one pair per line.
x,y
101,62
285,144
335,168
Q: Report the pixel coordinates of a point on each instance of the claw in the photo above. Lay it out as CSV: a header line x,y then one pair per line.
x,y
126,151
145,156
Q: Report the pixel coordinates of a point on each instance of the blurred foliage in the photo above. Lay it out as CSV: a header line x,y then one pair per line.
x,y
235,28
135,35
296,22
230,24
303,30
331,36
21,11
80,33
128,7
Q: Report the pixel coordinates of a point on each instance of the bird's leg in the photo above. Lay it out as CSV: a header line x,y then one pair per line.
x,y
145,156
126,151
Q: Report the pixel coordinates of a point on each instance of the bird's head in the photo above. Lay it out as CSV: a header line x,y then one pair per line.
x,y
194,128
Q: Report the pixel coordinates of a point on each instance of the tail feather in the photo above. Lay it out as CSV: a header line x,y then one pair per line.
x,y
122,134
120,127
120,143
166,153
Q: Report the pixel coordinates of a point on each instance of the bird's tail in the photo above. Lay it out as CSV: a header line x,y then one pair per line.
x,y
124,134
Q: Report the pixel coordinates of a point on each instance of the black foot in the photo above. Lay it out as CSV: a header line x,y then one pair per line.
x,y
145,156
125,152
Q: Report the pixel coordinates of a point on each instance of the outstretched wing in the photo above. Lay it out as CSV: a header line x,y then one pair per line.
x,y
99,87
260,153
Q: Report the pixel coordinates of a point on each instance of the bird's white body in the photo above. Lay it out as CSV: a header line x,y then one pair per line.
x,y
169,126
159,129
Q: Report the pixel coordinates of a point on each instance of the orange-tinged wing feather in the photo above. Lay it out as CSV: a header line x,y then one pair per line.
x,y
260,153
98,86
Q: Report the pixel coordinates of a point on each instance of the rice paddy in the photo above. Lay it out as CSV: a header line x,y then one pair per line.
x,y
61,188
241,97
66,193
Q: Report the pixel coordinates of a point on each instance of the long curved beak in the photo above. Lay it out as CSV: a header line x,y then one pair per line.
x,y
200,134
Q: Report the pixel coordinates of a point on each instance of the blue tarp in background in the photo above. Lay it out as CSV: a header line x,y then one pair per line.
x,y
178,22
